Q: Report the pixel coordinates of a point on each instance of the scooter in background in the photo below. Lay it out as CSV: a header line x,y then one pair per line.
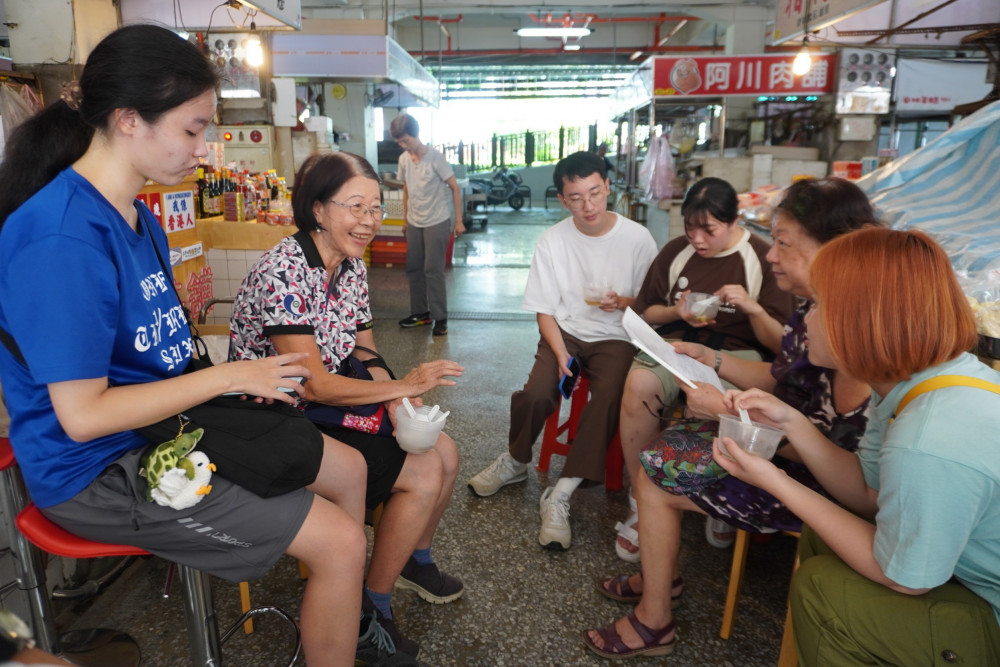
x,y
502,186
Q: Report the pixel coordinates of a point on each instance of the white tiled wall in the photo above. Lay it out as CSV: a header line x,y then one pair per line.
x,y
228,269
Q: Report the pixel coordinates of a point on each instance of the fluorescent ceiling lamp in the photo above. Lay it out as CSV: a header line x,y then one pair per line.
x,y
571,47
553,32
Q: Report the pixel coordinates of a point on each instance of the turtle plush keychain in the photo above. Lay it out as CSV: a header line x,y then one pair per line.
x,y
178,476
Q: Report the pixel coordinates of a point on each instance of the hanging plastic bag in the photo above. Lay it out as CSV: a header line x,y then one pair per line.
x,y
656,177
14,108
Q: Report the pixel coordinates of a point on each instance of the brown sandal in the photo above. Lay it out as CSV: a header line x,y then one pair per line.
x,y
614,648
619,590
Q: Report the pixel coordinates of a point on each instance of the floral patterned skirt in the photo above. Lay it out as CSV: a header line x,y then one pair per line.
x,y
680,462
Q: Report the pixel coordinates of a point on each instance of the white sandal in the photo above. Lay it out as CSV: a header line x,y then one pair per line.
x,y
627,530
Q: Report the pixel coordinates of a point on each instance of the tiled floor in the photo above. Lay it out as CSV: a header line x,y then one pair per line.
x,y
523,605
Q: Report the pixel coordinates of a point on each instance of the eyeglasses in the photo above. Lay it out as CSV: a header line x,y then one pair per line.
x,y
359,210
597,199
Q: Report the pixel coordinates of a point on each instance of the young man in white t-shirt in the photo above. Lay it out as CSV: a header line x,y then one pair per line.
x,y
593,246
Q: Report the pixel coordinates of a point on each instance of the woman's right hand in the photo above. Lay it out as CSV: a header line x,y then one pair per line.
x,y
266,377
702,353
432,374
763,407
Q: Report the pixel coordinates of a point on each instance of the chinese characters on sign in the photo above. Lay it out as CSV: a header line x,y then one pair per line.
x,y
199,290
178,211
796,17
740,75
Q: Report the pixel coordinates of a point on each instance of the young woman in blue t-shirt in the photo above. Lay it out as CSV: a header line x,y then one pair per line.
x,y
92,314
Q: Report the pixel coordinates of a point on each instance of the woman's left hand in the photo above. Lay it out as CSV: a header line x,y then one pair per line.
x,y
736,295
705,402
751,469
390,407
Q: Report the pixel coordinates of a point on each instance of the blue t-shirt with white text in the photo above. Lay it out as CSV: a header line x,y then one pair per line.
x,y
84,296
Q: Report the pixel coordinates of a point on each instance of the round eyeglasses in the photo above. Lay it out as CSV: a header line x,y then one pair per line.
x,y
597,200
359,210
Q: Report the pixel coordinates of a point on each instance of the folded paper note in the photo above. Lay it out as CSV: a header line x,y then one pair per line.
x,y
683,367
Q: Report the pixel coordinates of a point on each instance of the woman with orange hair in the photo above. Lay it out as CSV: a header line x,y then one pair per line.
x,y
907,571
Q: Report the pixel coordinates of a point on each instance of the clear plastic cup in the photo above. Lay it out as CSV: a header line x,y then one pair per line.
x,y
415,434
757,439
594,292
701,311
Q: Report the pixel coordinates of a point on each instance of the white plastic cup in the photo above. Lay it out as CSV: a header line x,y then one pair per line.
x,y
702,313
416,434
754,438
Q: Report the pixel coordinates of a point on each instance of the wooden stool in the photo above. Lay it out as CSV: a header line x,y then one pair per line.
x,y
787,657
614,462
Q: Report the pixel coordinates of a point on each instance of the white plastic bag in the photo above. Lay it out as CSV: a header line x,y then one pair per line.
x,y
656,177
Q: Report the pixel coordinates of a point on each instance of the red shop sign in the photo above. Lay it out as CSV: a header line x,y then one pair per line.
x,y
718,76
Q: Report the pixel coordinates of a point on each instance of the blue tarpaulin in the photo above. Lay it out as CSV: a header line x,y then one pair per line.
x,y
949,189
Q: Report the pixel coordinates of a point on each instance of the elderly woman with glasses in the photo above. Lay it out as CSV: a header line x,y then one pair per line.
x,y
309,294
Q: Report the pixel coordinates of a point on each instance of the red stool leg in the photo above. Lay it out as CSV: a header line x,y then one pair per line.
x,y
550,442
614,462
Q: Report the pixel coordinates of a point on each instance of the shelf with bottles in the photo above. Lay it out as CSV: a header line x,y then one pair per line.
x,y
242,196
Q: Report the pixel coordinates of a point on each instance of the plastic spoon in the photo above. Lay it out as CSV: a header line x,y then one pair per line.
x,y
443,415
744,416
409,408
433,412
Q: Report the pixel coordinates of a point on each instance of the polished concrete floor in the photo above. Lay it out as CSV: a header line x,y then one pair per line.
x,y
523,605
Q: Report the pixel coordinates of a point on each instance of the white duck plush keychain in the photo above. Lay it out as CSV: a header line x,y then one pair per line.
x,y
178,476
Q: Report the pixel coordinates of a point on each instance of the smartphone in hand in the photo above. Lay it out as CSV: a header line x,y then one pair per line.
x,y
567,382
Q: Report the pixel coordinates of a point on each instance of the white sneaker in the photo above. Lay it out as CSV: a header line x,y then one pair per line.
x,y
554,510
719,533
505,470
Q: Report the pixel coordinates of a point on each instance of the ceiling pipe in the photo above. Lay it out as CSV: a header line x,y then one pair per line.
x,y
441,21
570,19
586,51
661,41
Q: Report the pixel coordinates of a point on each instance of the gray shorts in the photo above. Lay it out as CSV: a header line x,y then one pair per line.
x,y
232,533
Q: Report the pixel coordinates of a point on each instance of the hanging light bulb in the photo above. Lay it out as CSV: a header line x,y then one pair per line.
x,y
803,61
255,52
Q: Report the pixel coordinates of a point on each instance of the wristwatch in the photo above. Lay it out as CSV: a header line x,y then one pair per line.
x,y
718,360
15,635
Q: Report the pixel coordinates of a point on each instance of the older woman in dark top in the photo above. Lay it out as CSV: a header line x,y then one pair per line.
x,y
680,460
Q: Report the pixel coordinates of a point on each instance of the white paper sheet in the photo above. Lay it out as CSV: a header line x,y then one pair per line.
x,y
683,367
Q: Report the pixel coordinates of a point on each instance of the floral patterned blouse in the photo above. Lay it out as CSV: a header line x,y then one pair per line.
x,y
288,291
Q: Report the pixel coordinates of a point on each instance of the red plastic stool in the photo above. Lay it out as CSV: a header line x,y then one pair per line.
x,y
35,530
614,462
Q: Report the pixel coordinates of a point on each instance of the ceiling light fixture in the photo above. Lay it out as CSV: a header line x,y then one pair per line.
x,y
571,47
803,61
553,32
255,52
635,55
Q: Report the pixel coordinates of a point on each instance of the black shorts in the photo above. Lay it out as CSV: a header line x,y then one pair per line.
x,y
382,454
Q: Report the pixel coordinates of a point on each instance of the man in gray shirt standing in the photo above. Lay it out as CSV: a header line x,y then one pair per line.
x,y
426,177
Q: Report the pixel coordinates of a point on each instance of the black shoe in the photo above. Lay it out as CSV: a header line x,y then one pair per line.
x,y
416,320
407,646
441,328
375,647
429,582
404,645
